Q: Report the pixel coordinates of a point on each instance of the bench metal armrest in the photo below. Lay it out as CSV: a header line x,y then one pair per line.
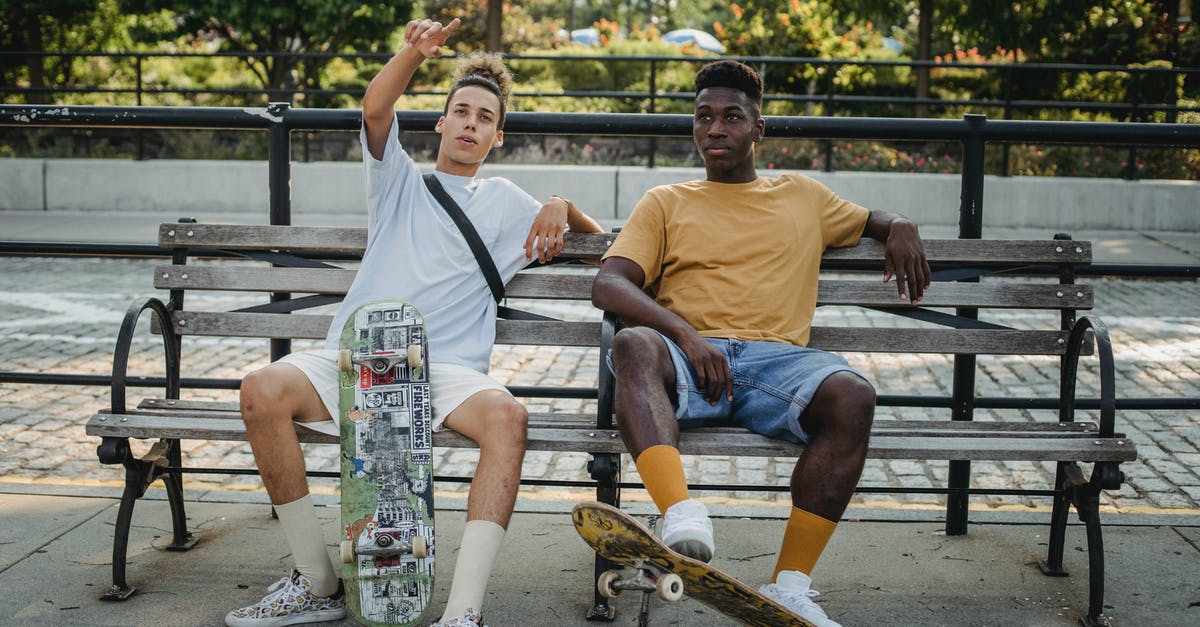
x,y
606,382
125,342
1108,396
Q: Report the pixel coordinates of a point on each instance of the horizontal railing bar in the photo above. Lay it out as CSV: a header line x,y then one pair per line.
x,y
614,124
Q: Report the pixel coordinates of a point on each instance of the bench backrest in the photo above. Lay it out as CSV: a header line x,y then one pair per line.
x,y
937,331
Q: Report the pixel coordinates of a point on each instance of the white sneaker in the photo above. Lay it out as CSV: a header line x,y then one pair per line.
x,y
687,530
792,590
290,601
469,618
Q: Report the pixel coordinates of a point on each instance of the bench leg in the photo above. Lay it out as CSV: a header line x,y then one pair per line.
x,y
1053,565
1095,540
139,475
133,490
1085,496
606,470
181,539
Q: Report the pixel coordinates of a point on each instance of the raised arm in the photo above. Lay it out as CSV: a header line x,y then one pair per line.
x,y
904,256
423,40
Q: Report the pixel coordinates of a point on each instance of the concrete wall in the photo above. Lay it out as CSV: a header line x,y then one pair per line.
x,y
183,187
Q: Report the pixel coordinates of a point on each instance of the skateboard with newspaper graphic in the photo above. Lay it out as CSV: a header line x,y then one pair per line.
x,y
653,567
387,543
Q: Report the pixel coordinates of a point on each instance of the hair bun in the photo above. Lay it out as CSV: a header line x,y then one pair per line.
x,y
489,66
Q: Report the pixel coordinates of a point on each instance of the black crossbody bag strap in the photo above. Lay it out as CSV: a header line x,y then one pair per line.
x,y
472,236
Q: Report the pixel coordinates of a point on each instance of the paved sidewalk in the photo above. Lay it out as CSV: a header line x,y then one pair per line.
x,y
55,563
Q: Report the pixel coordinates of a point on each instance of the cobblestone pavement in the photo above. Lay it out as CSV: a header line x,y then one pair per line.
x,y
62,315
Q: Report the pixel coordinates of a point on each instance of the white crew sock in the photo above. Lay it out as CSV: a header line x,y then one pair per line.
x,y
304,536
476,556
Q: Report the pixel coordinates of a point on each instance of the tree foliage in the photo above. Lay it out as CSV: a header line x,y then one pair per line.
x,y
62,25
288,28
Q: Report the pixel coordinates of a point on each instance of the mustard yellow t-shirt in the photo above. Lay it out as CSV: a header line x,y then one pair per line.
x,y
739,260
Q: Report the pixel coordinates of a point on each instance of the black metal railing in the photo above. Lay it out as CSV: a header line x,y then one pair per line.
x,y
1143,89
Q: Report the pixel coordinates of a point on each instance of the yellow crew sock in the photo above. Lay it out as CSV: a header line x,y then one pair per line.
x,y
661,469
803,542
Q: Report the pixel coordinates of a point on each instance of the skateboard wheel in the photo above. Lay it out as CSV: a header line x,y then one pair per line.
x,y
414,355
605,584
347,550
344,363
420,547
670,587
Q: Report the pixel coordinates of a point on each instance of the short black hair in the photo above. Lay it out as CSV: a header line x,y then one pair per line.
x,y
731,74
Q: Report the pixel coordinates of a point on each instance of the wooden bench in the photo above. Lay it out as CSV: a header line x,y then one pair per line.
x,y
297,261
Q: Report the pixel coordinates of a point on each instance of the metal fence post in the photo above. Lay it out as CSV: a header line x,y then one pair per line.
x,y
653,88
279,175
970,226
141,133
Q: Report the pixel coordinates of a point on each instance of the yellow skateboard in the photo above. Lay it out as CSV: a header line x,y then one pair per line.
x,y
652,567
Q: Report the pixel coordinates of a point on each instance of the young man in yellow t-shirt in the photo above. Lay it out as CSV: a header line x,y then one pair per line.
x,y
732,262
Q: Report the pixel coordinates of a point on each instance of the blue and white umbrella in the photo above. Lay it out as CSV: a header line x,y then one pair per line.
x,y
699,38
586,36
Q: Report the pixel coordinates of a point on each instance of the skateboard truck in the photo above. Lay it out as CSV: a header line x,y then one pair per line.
x,y
385,545
642,577
380,364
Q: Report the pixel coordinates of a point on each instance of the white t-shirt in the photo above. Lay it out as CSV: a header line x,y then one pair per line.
x,y
416,253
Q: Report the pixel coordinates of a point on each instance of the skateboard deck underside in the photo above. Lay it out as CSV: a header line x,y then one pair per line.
x,y
386,465
615,535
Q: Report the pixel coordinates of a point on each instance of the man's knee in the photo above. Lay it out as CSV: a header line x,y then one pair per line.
x,y
844,402
640,347
264,394
502,422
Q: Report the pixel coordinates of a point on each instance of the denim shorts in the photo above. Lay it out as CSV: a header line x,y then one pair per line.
x,y
773,383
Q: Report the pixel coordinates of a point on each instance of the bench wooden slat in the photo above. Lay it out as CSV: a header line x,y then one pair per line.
x,y
314,327
337,281
969,429
994,295
978,252
262,279
590,245
944,341
261,236
940,448
228,324
561,286
523,332
728,442
322,239
541,285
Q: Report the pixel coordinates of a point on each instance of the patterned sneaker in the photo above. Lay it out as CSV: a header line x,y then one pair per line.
x,y
687,530
469,618
290,601
792,590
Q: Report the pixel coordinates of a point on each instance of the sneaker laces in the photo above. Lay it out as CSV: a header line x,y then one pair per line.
x,y
282,589
795,597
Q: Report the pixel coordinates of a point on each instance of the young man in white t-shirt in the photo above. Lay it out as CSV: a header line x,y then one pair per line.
x,y
416,253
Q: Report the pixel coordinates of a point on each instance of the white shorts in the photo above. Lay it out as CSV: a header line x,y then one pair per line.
x,y
450,385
